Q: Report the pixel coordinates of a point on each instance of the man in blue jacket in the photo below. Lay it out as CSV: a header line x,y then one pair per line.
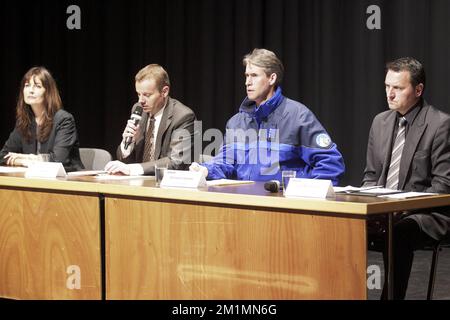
x,y
272,133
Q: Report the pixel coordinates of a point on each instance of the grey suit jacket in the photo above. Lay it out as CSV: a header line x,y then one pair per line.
x,y
62,143
425,162
174,141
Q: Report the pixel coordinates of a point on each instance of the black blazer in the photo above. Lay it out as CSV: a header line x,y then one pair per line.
x,y
62,143
425,162
174,143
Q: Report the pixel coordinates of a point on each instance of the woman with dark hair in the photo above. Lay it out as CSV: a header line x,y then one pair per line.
x,y
42,126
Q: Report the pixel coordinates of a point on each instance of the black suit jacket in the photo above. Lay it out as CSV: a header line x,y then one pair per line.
x,y
425,162
62,143
174,141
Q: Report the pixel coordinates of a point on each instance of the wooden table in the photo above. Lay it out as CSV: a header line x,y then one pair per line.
x,y
134,241
45,234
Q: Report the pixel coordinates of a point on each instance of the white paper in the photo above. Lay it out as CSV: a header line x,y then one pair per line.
x,y
226,182
12,169
350,189
405,195
121,177
86,173
380,191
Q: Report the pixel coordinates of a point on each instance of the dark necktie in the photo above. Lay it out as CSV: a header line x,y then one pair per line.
x,y
397,149
148,147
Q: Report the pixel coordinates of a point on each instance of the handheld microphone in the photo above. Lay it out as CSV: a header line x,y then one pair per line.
x,y
136,117
272,185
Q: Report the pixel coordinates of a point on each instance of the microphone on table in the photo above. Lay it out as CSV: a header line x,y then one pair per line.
x,y
272,185
136,117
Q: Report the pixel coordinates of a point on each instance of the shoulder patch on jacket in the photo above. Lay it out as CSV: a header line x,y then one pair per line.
x,y
323,140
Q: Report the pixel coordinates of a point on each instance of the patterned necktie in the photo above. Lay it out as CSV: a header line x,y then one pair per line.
x,y
148,147
397,149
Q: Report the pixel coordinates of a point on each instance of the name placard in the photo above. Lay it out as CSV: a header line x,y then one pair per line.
x,y
183,179
309,188
45,170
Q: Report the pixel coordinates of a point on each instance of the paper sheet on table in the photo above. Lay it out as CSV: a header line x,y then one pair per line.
x,y
371,191
226,182
120,177
405,195
350,189
85,173
5,169
379,191
347,188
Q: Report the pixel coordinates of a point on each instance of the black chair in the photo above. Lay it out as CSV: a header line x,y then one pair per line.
x,y
436,248
376,243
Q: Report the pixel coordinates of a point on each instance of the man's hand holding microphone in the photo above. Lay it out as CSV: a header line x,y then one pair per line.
x,y
129,137
132,127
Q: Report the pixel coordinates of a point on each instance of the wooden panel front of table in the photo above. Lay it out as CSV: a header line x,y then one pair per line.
x,y
171,250
49,245
239,243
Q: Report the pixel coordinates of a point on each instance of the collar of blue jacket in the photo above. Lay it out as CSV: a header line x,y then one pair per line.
x,y
262,112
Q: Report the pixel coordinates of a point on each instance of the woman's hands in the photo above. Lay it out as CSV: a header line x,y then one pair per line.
x,y
20,159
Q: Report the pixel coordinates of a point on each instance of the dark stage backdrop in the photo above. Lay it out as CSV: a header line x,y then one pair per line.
x,y
334,63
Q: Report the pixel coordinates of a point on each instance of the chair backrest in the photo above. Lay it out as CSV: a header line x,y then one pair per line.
x,y
94,159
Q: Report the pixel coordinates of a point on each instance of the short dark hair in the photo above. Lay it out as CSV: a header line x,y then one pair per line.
x,y
415,68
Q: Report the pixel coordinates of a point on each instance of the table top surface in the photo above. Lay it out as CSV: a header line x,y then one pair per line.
x,y
252,195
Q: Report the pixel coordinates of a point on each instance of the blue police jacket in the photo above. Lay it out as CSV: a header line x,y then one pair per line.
x,y
282,134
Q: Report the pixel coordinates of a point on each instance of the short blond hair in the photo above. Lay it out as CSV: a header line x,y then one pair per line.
x,y
155,72
267,60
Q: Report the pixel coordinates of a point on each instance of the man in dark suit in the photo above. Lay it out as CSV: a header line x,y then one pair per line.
x,y
409,149
165,133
